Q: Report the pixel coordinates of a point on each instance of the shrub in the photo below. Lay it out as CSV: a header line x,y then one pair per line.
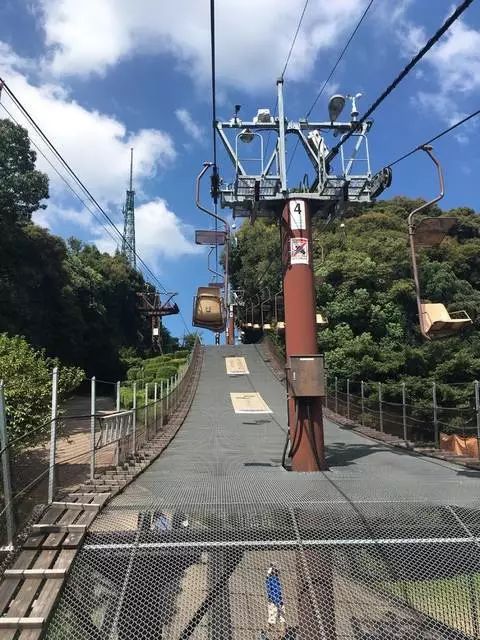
x,y
134,373
165,372
27,375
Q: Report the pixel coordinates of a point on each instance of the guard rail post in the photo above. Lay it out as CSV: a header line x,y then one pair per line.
x,y
161,404
362,400
336,394
6,470
53,436
145,412
117,403
92,426
326,390
436,434
348,398
404,413
134,425
477,411
155,400
380,407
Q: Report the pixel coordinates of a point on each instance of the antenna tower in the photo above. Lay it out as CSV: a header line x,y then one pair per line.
x,y
128,242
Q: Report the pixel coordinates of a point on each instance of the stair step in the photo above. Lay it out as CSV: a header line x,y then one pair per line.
x,y
77,506
35,573
21,623
59,528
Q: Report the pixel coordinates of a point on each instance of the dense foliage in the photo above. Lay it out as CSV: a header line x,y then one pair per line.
x,y
148,371
77,303
365,288
29,389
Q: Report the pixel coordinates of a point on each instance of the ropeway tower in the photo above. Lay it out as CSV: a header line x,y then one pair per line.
x,y
128,242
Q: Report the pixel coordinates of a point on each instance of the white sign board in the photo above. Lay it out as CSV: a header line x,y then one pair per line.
x,y
297,215
299,251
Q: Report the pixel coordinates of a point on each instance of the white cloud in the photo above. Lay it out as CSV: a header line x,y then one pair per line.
x,y
190,126
97,146
453,68
252,37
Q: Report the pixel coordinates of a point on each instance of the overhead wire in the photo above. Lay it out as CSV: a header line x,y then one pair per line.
x,y
64,180
76,178
287,61
405,71
334,68
435,138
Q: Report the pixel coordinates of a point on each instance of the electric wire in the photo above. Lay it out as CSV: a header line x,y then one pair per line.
x,y
214,126
434,139
76,178
340,57
295,38
405,71
64,180
330,75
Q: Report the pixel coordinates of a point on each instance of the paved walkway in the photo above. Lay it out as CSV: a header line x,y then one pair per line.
x,y
184,551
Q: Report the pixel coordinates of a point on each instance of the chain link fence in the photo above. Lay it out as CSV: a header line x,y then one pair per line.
x,y
91,435
397,409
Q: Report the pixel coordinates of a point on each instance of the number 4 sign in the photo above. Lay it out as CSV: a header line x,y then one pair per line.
x,y
297,215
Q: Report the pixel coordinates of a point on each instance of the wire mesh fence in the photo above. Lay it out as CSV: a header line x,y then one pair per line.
x,y
397,410
81,441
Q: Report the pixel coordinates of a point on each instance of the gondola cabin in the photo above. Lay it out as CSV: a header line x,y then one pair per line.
x,y
209,309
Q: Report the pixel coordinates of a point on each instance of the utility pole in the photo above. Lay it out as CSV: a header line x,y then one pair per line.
x,y
263,191
128,242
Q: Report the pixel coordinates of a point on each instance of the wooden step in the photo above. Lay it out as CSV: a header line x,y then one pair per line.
x,y
34,573
58,528
95,494
77,506
7,622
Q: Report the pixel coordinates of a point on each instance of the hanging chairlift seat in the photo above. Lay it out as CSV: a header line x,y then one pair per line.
x,y
209,309
437,322
267,326
321,320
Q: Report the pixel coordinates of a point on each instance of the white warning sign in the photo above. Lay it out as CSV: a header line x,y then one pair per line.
x,y
297,215
299,251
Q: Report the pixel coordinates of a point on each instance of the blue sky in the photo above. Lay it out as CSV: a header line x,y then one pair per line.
x,y
103,75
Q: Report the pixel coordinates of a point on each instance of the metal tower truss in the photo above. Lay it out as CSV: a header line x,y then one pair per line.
x,y
152,307
128,242
263,192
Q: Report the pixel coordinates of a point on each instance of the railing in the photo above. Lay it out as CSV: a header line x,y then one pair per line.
x,y
396,409
80,447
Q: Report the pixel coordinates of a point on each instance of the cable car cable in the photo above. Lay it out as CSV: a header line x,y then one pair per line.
x,y
405,71
72,173
437,137
330,75
214,126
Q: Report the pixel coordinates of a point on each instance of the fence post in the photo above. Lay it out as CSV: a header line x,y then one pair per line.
x,y
92,426
477,410
145,412
380,407
436,434
161,403
134,407
326,390
155,400
362,396
168,397
53,436
348,398
404,413
7,484
336,394
117,403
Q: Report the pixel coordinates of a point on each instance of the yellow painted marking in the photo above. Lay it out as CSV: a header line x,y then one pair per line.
x,y
249,402
236,366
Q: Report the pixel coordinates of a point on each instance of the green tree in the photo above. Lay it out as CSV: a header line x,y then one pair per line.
x,y
22,187
27,375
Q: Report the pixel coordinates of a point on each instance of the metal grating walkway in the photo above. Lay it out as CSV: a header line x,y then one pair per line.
x,y
382,546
